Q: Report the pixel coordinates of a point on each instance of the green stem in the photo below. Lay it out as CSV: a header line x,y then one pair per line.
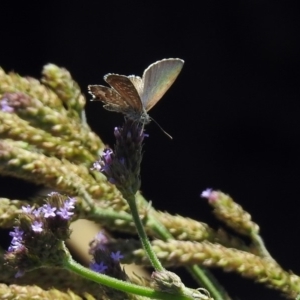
x,y
259,243
207,281
86,196
202,276
142,234
120,285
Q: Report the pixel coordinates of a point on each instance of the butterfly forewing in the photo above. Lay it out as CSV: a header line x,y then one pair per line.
x,y
123,85
158,78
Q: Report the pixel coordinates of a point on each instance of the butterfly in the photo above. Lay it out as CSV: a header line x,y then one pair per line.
x,y
135,96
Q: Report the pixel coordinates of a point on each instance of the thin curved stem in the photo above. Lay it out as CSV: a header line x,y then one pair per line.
x,y
260,245
142,234
120,285
198,273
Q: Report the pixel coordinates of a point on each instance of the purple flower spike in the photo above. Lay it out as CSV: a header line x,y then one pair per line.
x,y
116,256
37,226
122,167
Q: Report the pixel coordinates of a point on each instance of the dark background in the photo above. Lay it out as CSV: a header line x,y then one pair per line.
x,y
233,111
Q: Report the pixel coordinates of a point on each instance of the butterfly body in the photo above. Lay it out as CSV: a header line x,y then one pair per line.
x,y
135,96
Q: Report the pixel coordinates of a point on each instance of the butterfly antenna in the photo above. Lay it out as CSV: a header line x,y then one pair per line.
x,y
168,135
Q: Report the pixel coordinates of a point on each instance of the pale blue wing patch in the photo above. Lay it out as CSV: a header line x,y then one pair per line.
x,y
158,78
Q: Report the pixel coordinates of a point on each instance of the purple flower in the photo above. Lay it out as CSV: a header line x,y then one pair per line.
x,y
69,204
53,194
4,105
38,212
64,213
116,256
98,243
47,226
104,259
97,166
107,156
99,268
210,195
206,193
101,238
27,209
19,274
15,245
37,226
16,242
17,233
105,161
49,211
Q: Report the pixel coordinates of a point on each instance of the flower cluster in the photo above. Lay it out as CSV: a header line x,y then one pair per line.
x,y
36,240
122,167
104,261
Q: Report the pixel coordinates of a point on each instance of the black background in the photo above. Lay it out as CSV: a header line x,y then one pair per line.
x,y
233,111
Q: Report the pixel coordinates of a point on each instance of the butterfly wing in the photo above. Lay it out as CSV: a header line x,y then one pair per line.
x,y
157,79
112,100
138,83
123,85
